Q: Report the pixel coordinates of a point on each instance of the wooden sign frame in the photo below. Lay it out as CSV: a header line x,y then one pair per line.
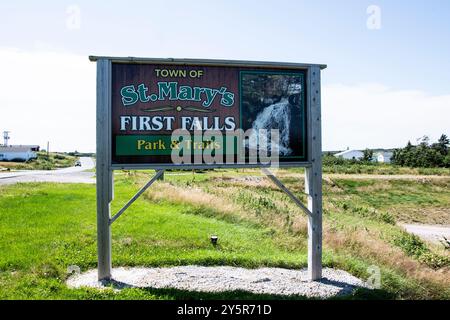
x,y
105,168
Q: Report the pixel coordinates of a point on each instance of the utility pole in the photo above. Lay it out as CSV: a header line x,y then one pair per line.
x,y
48,148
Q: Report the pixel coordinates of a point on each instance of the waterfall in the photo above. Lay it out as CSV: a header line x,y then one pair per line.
x,y
275,116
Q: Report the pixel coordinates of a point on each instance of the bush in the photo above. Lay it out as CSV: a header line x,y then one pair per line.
x,y
410,244
330,160
369,213
416,248
60,157
45,166
43,156
433,260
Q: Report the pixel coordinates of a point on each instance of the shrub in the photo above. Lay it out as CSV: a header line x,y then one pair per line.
x,y
44,166
60,157
410,244
370,213
416,248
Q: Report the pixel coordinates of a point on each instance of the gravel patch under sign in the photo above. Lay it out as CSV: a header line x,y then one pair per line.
x,y
276,281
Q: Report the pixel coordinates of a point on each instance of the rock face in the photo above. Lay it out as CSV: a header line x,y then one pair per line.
x,y
274,281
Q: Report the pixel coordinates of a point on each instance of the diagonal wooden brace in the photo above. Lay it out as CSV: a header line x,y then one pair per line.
x,y
158,174
286,190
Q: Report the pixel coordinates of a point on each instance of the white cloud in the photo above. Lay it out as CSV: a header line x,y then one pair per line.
x,y
48,96
373,115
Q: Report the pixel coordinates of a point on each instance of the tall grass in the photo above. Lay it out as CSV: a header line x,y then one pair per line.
x,y
45,228
44,161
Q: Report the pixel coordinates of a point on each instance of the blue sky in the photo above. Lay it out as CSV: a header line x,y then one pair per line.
x,y
405,63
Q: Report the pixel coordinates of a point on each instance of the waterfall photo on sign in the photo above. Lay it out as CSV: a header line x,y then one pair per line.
x,y
274,100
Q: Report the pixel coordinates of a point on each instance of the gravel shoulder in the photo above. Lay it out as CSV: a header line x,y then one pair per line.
x,y
274,281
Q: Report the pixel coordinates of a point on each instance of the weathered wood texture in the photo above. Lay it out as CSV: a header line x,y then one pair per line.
x,y
313,176
103,170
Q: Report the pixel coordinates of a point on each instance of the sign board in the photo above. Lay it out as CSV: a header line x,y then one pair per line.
x,y
227,111
185,113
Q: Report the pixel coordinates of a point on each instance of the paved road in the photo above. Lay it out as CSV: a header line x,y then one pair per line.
x,y
433,233
66,175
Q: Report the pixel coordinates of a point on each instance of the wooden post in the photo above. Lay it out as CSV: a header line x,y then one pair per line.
x,y
313,176
103,169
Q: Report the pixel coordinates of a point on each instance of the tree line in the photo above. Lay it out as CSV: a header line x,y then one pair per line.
x,y
424,154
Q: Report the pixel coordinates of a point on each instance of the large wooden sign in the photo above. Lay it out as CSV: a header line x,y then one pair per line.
x,y
227,110
184,113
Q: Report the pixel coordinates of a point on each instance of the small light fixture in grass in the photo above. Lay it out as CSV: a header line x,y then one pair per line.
x,y
214,239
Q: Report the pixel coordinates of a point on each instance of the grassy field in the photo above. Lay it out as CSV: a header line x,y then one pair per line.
x,y
384,169
45,228
43,162
332,164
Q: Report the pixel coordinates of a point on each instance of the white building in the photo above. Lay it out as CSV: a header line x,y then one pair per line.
x,y
383,157
18,153
350,154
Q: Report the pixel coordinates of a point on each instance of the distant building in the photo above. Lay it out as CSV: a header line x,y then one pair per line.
x,y
350,154
379,155
18,153
383,156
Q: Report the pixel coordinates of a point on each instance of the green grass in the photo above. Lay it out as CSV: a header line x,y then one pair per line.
x,y
380,168
45,228
409,201
414,247
352,211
